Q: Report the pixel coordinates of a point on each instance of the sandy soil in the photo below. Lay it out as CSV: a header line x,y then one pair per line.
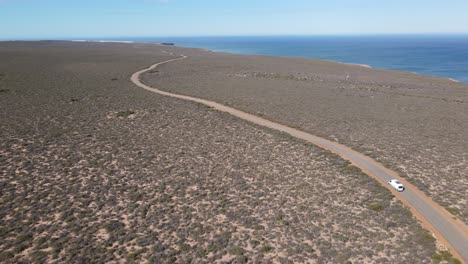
x,y
412,124
94,169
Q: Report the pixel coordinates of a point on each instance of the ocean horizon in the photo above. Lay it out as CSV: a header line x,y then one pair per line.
x,y
443,56
433,55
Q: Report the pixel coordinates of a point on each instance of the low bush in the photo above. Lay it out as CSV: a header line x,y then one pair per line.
x,y
266,248
236,251
376,206
126,113
444,256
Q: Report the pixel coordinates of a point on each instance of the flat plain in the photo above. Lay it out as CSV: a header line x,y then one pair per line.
x,y
94,169
415,125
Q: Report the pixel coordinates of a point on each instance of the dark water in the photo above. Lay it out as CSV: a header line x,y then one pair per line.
x,y
439,55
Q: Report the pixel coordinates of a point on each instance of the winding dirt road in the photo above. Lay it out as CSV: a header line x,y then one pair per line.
x,y
449,231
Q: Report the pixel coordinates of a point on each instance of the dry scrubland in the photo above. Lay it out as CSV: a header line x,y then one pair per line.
x,y
95,170
412,124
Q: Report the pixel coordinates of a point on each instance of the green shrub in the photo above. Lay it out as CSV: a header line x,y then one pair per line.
x,y
444,256
3,231
125,113
201,253
6,255
41,241
241,259
236,251
436,258
20,248
376,206
212,247
254,243
184,247
453,211
39,256
24,238
349,168
266,248
132,257
428,236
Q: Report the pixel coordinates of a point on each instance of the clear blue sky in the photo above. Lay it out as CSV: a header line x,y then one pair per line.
x,y
130,18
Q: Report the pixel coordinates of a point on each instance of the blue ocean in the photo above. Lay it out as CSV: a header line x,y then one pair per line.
x,y
434,55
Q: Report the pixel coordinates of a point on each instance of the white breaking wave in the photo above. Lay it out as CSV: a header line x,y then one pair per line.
x,y
102,41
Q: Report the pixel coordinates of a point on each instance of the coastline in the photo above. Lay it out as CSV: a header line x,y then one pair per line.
x,y
454,80
316,58
334,61
356,64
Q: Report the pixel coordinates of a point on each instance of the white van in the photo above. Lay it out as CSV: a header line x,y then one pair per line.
x,y
397,185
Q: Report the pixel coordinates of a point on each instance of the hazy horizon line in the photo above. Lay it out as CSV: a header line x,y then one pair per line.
x,y
236,35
